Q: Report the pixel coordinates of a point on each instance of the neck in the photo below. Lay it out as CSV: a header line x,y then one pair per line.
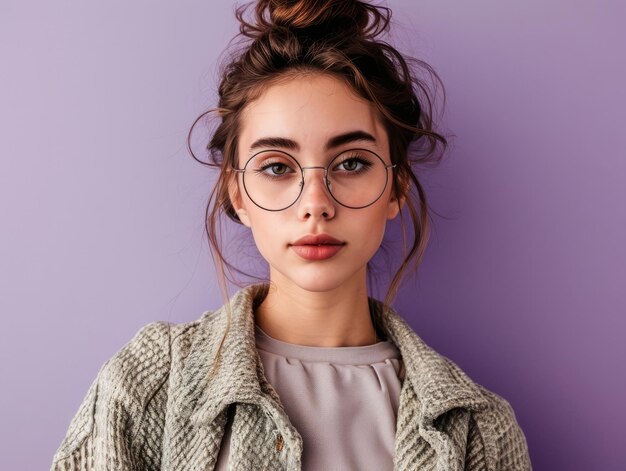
x,y
337,317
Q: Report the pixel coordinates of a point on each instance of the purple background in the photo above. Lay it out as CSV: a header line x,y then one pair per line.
x,y
102,209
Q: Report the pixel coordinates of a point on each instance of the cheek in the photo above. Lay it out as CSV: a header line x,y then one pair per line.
x,y
368,227
258,229
378,230
263,228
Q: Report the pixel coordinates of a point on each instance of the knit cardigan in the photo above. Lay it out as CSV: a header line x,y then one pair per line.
x,y
152,405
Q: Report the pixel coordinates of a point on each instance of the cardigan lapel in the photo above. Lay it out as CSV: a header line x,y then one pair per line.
x,y
238,378
433,386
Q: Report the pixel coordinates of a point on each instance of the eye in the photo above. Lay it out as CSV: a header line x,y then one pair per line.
x,y
354,164
277,168
350,164
273,168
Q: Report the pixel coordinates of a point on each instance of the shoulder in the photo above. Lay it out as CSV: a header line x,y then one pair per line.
x,y
133,374
495,440
125,385
490,430
501,436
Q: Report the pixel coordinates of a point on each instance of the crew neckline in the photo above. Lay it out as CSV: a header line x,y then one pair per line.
x,y
365,354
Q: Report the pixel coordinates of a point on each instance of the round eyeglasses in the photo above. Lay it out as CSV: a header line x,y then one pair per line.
x,y
274,180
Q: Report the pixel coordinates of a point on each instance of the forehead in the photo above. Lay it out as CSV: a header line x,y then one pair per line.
x,y
309,110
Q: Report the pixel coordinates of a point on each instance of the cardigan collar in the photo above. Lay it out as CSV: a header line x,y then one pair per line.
x,y
438,385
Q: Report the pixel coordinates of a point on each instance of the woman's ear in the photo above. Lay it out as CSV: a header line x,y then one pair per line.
x,y
397,203
236,201
395,206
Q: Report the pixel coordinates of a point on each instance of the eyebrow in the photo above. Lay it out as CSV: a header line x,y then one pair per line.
x,y
333,142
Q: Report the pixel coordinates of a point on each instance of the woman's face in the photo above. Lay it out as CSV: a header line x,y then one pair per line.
x,y
310,111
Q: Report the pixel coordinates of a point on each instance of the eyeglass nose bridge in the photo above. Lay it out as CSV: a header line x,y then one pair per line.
x,y
326,180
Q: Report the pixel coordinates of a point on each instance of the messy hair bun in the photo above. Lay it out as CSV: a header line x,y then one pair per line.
x,y
282,39
317,18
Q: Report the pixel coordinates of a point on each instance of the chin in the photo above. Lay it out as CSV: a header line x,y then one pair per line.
x,y
316,279
318,286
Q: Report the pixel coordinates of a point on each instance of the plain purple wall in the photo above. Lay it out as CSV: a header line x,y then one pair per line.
x,y
523,283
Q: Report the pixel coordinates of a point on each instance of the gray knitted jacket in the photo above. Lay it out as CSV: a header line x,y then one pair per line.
x,y
152,406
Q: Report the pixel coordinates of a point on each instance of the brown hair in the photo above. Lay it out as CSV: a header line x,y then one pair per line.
x,y
287,38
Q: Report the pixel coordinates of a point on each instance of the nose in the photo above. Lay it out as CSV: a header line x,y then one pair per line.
x,y
315,200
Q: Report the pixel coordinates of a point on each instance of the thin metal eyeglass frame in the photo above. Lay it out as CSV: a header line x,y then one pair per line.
x,y
326,181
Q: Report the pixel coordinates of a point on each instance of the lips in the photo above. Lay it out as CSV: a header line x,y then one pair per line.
x,y
316,247
317,239
316,252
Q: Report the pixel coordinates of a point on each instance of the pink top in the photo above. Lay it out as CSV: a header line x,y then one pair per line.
x,y
342,400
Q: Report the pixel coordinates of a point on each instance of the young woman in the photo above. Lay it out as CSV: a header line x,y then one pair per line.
x,y
318,119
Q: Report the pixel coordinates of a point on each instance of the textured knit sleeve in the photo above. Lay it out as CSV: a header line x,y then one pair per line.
x,y
117,427
496,436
